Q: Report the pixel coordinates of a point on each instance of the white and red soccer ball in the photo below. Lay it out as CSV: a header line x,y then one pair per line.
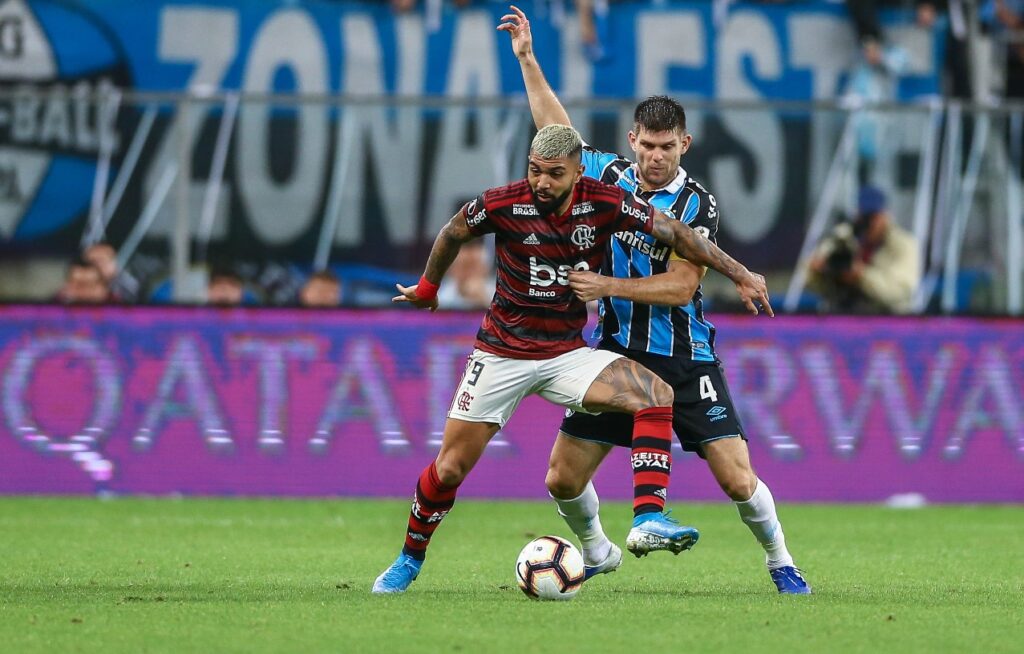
x,y
550,568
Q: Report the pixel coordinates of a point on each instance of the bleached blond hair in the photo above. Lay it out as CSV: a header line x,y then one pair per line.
x,y
557,141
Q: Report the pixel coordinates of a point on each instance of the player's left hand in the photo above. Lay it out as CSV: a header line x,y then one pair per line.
x,y
408,294
588,285
753,290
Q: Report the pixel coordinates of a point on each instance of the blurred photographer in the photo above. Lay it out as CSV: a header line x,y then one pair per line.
x,y
869,265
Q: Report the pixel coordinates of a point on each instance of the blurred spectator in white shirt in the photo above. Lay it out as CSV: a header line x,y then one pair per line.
x,y
470,281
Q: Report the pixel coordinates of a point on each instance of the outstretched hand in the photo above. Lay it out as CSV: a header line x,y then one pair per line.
x,y
753,291
518,27
408,294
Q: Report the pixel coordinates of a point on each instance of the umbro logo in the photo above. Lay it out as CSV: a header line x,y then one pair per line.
x,y
531,240
717,413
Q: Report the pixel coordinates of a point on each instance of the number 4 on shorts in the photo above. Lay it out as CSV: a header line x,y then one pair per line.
x,y
707,389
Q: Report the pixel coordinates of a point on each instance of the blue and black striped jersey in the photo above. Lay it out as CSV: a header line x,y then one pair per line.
x,y
681,332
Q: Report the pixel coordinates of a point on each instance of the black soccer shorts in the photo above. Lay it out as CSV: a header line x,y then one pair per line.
x,y
703,410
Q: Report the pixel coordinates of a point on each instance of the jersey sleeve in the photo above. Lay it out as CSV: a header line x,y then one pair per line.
x,y
634,213
477,218
701,213
595,162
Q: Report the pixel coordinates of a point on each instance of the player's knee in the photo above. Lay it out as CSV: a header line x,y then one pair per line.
x,y
658,393
562,484
739,485
451,471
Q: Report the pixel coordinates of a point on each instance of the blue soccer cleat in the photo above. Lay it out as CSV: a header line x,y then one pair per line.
x,y
657,531
398,576
611,563
790,581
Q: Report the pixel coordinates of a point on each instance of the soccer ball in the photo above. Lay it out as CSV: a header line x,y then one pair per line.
x,y
550,568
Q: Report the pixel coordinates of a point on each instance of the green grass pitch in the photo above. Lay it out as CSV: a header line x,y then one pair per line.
x,y
197,575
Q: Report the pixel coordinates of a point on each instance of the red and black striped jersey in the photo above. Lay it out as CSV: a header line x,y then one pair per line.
x,y
534,313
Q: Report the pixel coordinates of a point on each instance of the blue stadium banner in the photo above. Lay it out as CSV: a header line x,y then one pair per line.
x,y
284,161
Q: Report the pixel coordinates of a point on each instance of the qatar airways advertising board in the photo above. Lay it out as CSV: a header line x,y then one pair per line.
x,y
352,403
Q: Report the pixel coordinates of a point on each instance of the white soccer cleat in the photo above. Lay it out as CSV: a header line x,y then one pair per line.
x,y
611,563
657,531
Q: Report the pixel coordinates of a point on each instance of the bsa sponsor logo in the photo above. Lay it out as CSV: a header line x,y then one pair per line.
x,y
582,208
583,236
544,275
524,210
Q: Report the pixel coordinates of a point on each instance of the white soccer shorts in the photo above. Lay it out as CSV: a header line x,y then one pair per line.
x,y
493,386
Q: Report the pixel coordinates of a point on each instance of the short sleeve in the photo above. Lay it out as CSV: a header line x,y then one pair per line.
x,y
595,162
701,213
476,217
635,214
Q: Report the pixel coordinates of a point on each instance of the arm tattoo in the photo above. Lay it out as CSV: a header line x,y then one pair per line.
x,y
695,248
446,247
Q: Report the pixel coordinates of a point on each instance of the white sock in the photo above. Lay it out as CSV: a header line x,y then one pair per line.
x,y
581,514
759,514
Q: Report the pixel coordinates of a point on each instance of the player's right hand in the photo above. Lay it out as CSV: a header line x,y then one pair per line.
x,y
408,294
518,27
753,290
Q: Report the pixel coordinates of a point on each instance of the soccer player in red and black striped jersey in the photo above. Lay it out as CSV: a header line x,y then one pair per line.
x,y
531,342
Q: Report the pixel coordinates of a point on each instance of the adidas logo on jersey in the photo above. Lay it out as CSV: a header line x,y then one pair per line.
x,y
531,240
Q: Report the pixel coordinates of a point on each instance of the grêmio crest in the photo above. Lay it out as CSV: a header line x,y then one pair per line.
x,y
50,127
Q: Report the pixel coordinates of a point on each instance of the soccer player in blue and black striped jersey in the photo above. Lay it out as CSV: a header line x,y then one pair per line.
x,y
651,312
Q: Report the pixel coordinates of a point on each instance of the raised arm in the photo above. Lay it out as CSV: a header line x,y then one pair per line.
x,y
423,295
544,104
698,250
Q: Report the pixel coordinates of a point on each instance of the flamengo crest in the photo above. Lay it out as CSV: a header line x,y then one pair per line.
x,y
583,237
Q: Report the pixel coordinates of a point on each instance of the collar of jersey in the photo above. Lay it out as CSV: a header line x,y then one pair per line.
x,y
632,175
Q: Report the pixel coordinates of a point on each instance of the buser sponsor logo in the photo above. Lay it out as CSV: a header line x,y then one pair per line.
x,y
633,211
473,219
